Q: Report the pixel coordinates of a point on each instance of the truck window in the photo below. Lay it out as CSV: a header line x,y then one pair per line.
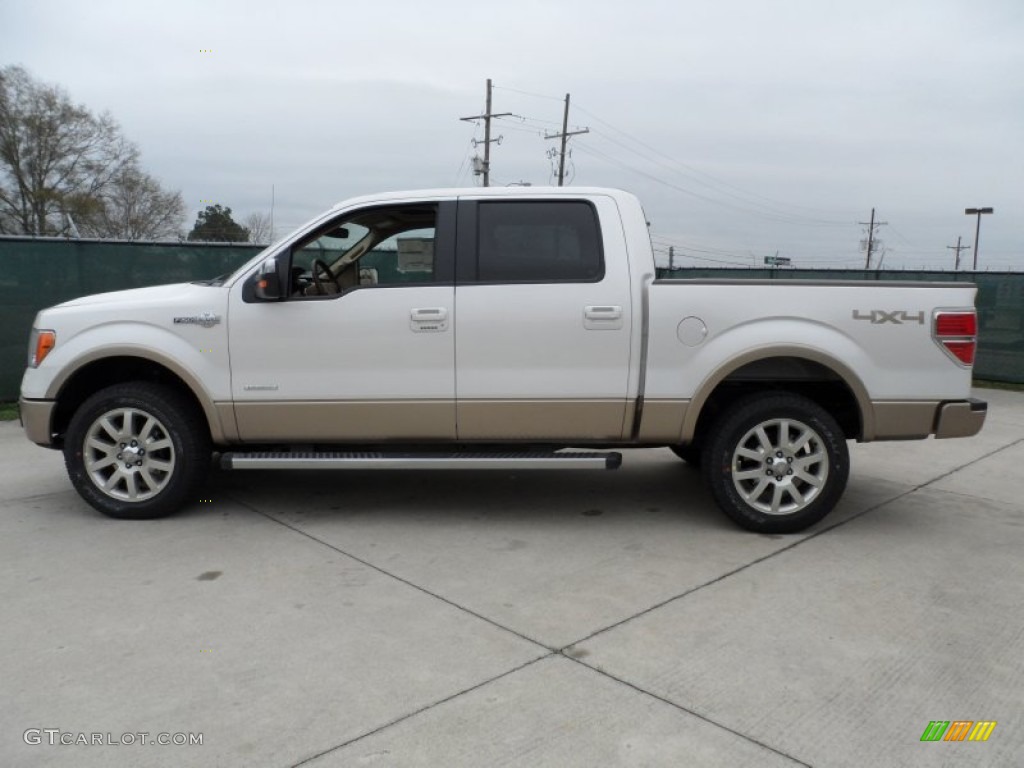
x,y
538,242
379,246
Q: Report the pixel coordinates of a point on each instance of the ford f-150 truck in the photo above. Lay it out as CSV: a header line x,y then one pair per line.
x,y
494,328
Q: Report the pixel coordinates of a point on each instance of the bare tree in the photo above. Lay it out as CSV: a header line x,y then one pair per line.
x,y
134,206
258,224
57,158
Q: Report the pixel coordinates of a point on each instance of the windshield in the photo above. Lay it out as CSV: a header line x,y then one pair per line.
x,y
274,246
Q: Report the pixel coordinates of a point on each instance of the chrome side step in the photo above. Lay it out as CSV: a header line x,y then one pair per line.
x,y
461,460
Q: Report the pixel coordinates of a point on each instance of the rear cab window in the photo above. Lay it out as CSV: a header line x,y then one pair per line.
x,y
542,241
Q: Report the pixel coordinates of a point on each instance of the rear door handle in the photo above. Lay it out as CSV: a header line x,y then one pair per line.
x,y
602,317
427,319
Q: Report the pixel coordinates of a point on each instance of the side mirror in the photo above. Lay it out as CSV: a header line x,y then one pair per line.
x,y
268,285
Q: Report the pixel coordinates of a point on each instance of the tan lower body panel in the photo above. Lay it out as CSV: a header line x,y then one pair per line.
x,y
662,421
905,419
37,416
559,420
959,420
343,421
226,422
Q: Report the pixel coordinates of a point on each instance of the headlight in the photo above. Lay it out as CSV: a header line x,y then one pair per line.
x,y
39,345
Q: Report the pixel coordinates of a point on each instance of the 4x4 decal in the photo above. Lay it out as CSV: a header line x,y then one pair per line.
x,y
881,317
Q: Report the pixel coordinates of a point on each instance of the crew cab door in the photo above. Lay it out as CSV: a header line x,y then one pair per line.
x,y
360,346
544,320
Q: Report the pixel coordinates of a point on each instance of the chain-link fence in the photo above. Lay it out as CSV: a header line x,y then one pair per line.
x,y
39,272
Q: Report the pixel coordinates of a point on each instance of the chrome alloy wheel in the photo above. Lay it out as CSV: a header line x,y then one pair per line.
x,y
780,466
128,454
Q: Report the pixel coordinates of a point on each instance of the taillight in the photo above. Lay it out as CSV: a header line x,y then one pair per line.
x,y
956,324
957,333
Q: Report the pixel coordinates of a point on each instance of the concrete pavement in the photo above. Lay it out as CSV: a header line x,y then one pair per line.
x,y
536,619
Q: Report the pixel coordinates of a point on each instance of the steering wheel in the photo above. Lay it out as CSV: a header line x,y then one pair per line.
x,y
318,266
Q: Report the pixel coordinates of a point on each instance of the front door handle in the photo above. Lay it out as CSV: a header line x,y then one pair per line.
x,y
602,317
428,319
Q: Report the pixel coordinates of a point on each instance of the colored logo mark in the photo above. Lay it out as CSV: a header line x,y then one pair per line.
x,y
206,50
958,730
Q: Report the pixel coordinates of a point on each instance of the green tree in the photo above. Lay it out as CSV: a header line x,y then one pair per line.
x,y
216,225
59,164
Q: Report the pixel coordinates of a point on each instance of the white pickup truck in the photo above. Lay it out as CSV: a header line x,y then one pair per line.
x,y
494,328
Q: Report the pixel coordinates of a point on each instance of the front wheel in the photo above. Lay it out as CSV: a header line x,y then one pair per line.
x,y
137,450
690,453
776,463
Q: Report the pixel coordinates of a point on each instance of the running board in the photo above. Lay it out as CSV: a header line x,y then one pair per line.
x,y
463,460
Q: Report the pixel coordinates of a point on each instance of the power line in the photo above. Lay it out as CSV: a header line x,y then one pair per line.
x,y
466,157
776,217
774,210
527,93
771,210
778,205
672,255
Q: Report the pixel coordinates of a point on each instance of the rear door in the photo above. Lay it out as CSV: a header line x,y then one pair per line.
x,y
543,321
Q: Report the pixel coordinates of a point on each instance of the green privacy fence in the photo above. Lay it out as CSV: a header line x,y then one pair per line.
x,y
40,272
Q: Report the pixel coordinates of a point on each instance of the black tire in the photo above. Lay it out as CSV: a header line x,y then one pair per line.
x,y
808,467
692,454
140,484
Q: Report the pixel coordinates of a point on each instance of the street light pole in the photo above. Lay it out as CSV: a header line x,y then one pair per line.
x,y
977,229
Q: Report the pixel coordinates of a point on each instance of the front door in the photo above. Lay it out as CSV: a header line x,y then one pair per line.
x,y
362,348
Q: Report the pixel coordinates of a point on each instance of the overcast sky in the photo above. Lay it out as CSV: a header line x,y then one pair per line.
x,y
745,126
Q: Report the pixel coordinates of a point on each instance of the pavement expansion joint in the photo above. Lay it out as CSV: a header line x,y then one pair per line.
x,y
421,710
18,499
988,455
781,550
687,710
548,649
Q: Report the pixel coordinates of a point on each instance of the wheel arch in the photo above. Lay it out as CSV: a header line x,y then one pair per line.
x,y
100,369
794,368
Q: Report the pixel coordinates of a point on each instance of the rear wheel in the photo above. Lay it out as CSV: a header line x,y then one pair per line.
x,y
137,451
776,463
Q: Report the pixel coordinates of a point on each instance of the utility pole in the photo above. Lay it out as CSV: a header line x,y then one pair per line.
x,y
671,258
958,248
487,116
564,136
871,236
977,229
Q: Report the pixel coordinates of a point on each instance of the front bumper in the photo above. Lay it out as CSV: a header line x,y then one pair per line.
x,y
962,418
37,418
